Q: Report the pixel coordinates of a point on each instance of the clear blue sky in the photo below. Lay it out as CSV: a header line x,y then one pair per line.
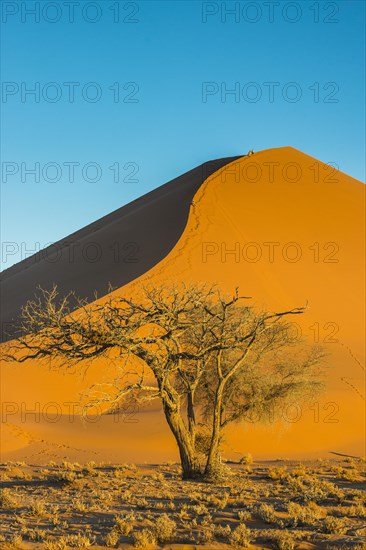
x,y
167,50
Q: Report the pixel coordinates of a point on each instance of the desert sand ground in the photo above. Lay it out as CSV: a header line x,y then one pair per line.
x,y
274,504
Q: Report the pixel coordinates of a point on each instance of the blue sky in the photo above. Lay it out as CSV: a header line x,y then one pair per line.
x,y
159,55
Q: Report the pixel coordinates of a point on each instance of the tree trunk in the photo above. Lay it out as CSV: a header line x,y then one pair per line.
x,y
191,417
213,458
189,462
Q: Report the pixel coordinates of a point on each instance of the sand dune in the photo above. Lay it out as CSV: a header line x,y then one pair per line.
x,y
288,230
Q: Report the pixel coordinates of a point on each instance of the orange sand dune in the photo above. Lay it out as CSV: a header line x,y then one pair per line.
x,y
288,230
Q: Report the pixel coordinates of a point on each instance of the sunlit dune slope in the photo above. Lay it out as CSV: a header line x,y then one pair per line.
x,y
287,230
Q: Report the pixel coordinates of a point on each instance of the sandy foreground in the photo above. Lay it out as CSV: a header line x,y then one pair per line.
x,y
275,504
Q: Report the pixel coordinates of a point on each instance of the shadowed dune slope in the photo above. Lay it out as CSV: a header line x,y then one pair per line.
x,y
287,230
113,250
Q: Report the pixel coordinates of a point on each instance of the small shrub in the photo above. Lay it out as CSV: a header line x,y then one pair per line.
x,y
170,505
80,541
207,533
67,466
16,473
304,515
158,476
111,539
244,515
285,541
200,510
333,525
59,544
82,506
38,509
221,473
312,489
19,520
123,524
184,513
144,539
357,511
164,528
220,502
16,540
141,503
65,476
351,475
241,537
36,535
223,532
246,459
266,512
119,472
276,473
7,499
89,469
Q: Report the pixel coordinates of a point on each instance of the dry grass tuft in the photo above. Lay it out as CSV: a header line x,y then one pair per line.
x,y
38,508
7,499
334,525
144,539
165,528
241,537
247,460
284,540
266,512
307,515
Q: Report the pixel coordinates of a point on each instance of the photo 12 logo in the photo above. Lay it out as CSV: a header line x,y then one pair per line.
x,y
70,252
252,252
69,11
272,172
269,92
69,92
293,412
70,171
69,411
269,12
